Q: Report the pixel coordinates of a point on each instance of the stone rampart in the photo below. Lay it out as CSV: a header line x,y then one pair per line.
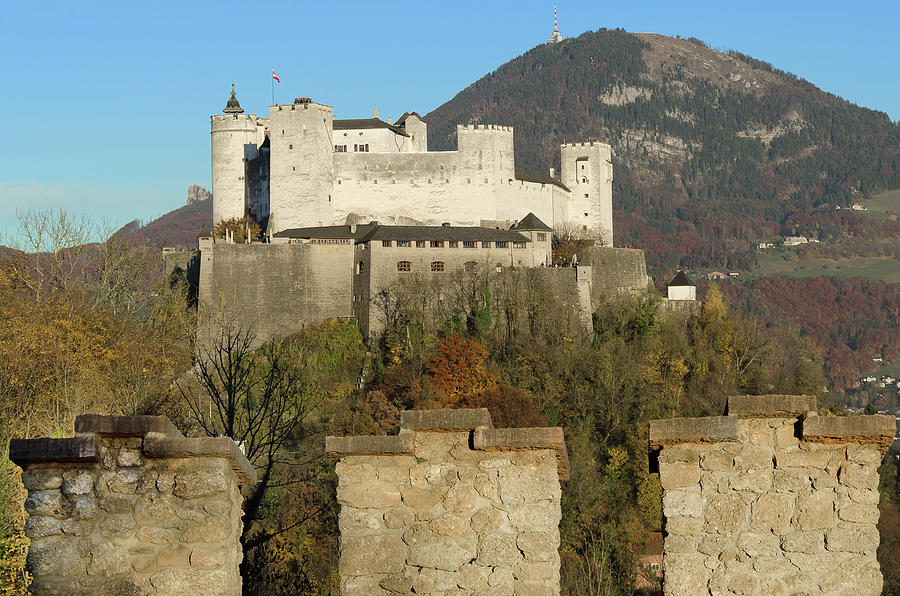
x,y
771,499
450,505
130,506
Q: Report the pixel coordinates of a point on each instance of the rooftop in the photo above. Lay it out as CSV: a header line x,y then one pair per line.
x,y
361,123
373,231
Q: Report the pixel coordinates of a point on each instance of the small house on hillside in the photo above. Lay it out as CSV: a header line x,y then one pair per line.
x,y
682,288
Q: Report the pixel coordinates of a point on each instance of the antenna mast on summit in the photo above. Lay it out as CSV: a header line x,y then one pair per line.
x,y
555,37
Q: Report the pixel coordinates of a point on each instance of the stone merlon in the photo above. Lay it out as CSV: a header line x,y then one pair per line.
x,y
161,439
477,421
770,406
877,429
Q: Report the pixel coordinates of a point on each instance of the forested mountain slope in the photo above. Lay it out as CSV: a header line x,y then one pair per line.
x,y
712,151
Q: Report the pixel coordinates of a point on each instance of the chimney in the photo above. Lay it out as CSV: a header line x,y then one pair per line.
x,y
376,114
373,223
553,172
353,228
390,120
446,224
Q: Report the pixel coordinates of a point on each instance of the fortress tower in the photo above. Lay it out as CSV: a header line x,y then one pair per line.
x,y
235,139
587,172
301,165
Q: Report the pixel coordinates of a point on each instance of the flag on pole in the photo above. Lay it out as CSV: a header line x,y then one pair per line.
x,y
275,77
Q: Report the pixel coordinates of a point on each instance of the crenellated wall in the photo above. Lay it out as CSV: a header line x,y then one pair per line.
x,y
771,499
450,505
130,506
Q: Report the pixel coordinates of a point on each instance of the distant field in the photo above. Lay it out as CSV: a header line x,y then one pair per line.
x,y
891,369
883,268
883,204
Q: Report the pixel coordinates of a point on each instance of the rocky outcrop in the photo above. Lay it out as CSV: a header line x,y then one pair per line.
x,y
197,193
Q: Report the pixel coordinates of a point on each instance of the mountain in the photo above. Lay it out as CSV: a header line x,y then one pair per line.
x,y
712,151
179,228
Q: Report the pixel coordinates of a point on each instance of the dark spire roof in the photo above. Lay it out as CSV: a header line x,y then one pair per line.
x,y
681,279
233,106
531,222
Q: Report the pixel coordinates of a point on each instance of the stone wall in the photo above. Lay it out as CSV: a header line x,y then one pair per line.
x,y
277,289
771,499
450,505
130,506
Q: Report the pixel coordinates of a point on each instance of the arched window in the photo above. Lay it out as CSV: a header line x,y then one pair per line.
x,y
360,267
470,266
437,266
404,266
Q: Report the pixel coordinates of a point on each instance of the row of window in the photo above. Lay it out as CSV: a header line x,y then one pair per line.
x,y
455,243
359,148
436,266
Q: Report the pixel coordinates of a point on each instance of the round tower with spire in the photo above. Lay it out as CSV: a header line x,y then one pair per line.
x,y
235,139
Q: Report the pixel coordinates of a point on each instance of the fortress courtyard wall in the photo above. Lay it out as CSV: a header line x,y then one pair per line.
x,y
771,499
130,506
450,505
275,289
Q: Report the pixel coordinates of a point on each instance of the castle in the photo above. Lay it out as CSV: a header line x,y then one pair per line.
x,y
302,167
349,207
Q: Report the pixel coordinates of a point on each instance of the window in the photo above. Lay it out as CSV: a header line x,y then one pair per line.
x,y
468,181
361,148
442,166
470,266
339,181
485,245
420,244
340,148
518,245
585,214
290,146
402,243
586,195
360,267
470,244
485,181
502,244
404,266
437,266
454,244
330,241
437,244
542,237
387,243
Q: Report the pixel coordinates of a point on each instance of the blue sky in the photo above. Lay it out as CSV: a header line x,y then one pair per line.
x,y
107,104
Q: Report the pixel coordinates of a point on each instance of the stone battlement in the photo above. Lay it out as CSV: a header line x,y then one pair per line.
x,y
130,506
587,144
771,498
450,504
484,127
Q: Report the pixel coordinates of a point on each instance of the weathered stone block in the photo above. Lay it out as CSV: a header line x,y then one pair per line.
x,y
199,483
859,513
715,460
372,554
42,526
724,514
815,510
693,430
107,560
192,580
683,501
41,478
77,482
809,542
208,556
447,553
853,538
420,498
371,496
770,406
858,476
772,513
679,475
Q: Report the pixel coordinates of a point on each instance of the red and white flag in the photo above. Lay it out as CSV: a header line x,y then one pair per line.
x,y
274,76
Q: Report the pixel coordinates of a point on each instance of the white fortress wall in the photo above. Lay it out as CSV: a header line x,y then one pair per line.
x,y
587,172
424,187
547,201
301,172
379,140
233,139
